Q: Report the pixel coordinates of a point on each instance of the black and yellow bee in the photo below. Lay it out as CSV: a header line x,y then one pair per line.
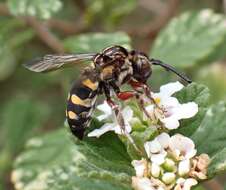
x,y
113,67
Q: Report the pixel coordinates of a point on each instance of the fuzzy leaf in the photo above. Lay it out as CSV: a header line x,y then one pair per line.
x,y
20,117
54,162
210,137
108,12
95,42
10,41
200,95
190,39
213,76
40,8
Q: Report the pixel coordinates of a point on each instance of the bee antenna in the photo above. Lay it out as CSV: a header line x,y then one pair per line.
x,y
170,68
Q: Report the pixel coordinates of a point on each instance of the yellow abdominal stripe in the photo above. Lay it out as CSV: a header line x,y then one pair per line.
x,y
72,115
88,83
78,101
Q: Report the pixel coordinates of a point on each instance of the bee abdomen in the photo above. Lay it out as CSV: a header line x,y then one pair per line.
x,y
81,102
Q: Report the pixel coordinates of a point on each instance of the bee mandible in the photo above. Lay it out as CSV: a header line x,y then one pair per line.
x,y
112,68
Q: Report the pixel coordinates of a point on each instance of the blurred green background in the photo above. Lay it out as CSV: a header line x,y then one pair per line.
x,y
191,35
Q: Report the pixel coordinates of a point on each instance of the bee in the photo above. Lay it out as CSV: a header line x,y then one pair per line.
x,y
112,68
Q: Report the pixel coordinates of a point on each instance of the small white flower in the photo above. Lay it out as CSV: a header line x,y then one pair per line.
x,y
172,164
112,125
182,147
142,184
172,111
141,167
156,149
179,146
185,184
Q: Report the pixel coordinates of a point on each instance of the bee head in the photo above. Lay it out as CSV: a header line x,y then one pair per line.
x,y
141,66
109,55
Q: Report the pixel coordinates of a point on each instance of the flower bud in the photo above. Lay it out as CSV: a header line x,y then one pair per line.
x,y
169,165
168,177
136,124
184,167
155,170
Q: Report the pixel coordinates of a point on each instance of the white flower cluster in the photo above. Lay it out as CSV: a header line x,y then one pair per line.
x,y
169,110
171,164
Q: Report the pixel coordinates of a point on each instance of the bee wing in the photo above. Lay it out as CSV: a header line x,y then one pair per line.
x,y
54,62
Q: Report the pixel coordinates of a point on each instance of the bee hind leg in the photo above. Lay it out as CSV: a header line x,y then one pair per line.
x,y
121,122
119,117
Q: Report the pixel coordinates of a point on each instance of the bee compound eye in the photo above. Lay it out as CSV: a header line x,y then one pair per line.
x,y
106,58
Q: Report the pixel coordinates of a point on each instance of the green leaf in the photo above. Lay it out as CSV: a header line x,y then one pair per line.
x,y
210,137
213,76
39,8
20,117
200,95
198,188
190,39
54,162
95,42
217,164
108,13
10,42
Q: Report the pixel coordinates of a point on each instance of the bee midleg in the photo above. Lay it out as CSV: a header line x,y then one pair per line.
x,y
125,95
139,98
81,103
119,117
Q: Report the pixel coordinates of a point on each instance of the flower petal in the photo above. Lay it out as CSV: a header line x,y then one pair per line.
x,y
189,183
170,122
127,113
184,167
119,131
102,117
105,128
184,111
140,167
105,108
150,108
155,170
170,88
152,146
164,140
159,158
169,102
142,184
185,184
